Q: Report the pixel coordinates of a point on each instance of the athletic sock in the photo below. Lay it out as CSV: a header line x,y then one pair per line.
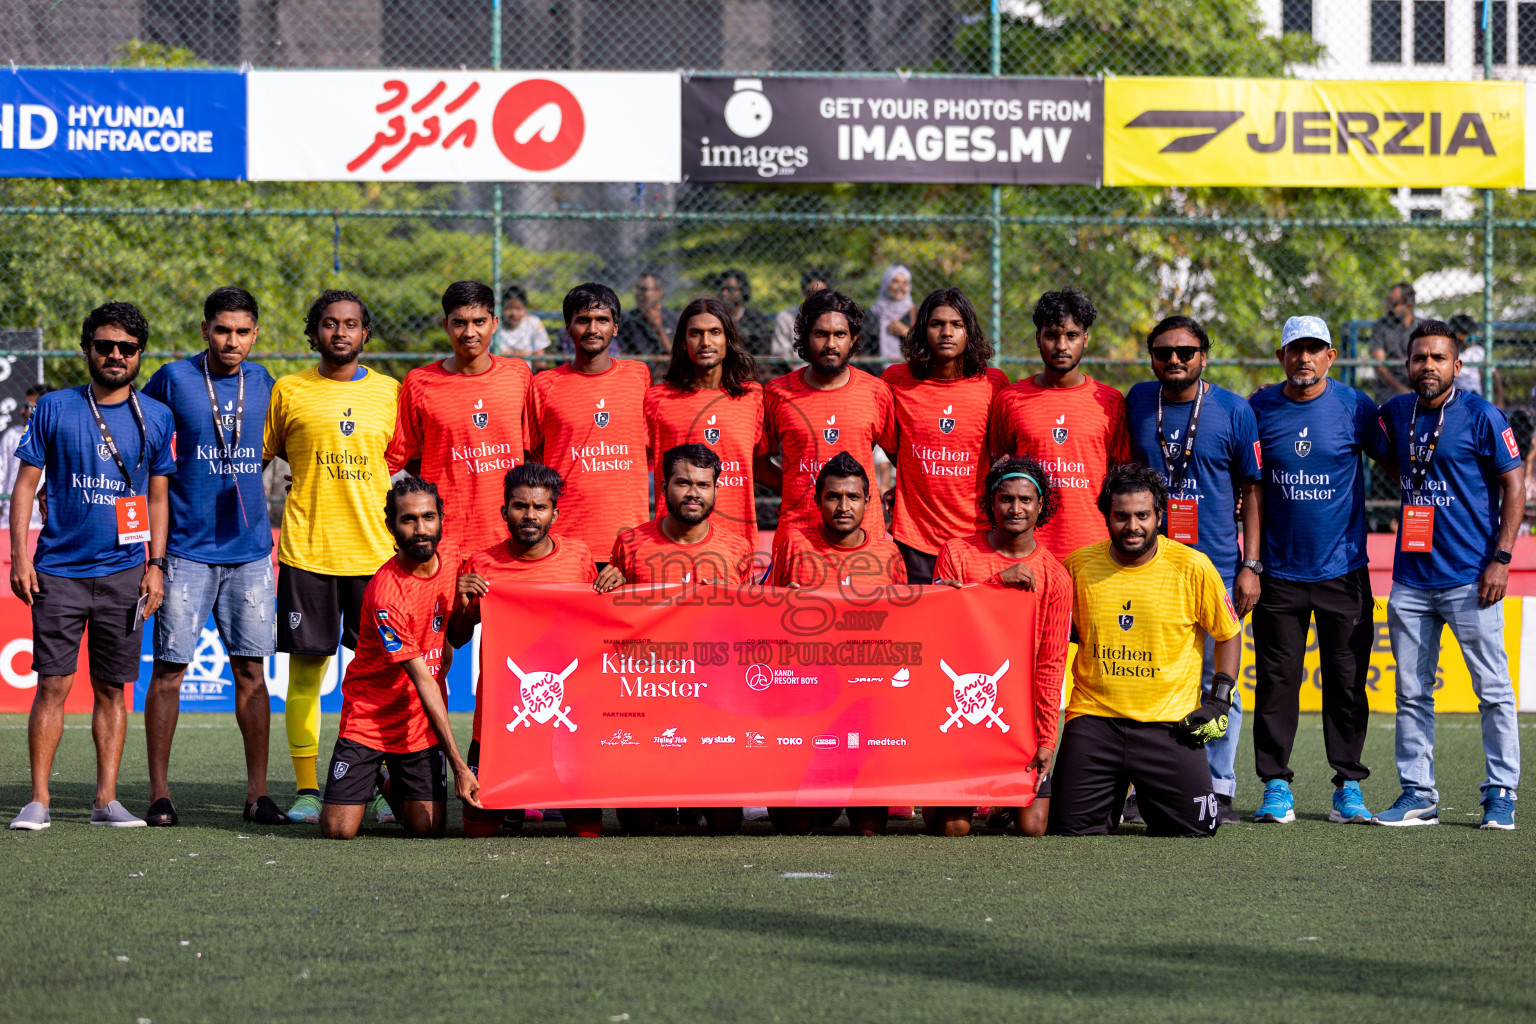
x,y
305,779
301,715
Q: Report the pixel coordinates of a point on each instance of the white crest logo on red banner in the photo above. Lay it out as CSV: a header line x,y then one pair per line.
x,y
542,693
975,697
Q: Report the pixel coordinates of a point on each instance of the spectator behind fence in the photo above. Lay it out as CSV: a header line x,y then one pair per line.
x,y
646,330
1462,492
891,314
754,329
1474,356
10,465
522,334
812,280
1389,341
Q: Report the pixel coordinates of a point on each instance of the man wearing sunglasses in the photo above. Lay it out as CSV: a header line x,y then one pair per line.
x,y
108,453
1205,441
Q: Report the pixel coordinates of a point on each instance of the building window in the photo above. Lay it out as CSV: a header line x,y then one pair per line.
x,y
1526,29
1499,16
1296,16
1429,32
1386,32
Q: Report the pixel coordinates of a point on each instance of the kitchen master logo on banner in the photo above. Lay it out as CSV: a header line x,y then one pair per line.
x,y
1000,130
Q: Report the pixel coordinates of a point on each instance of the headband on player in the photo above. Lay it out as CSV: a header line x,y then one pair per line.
x,y
1022,476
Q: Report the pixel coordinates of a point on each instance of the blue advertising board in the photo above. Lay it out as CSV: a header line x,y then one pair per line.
x,y
122,124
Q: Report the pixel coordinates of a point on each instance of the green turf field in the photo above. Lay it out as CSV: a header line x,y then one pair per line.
x,y
214,922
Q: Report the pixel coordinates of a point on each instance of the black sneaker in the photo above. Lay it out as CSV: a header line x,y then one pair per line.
x,y
1226,814
161,814
264,811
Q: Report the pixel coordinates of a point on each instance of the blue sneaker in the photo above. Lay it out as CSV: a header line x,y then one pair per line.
x,y
1409,810
305,810
1278,806
1499,809
1349,805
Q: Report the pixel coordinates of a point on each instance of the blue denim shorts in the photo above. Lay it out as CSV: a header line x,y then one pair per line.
x,y
241,597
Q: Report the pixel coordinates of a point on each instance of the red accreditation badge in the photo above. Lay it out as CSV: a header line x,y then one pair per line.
x,y
133,519
1418,533
1184,521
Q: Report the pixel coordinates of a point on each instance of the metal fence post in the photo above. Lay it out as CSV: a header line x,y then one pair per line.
x,y
496,213
995,269
1490,363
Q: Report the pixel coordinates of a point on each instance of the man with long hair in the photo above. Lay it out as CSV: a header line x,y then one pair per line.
x,y
943,393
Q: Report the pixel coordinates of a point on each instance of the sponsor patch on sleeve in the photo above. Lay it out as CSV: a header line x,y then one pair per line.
x,y
1230,610
1258,455
389,638
1509,442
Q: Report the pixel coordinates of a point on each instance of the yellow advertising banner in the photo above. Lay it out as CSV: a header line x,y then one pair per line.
x,y
1274,132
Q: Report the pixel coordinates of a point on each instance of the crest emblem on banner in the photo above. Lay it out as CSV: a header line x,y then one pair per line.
x,y
347,424
1126,620
975,694
542,693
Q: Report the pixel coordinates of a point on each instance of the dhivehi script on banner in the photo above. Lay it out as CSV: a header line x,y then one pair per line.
x,y
711,696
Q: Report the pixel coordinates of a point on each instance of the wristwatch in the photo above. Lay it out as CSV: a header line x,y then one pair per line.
x,y
1502,556
1254,564
160,563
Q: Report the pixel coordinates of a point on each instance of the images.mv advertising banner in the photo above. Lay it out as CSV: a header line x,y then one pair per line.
x,y
1289,133
703,696
1007,131
463,126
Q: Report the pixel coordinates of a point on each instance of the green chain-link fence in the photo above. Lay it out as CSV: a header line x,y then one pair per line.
x,y
1240,259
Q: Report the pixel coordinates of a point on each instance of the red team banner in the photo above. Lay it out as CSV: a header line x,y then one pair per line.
x,y
696,696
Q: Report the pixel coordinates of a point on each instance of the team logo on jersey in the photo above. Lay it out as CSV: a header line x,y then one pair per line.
x,y
294,618
103,452
1127,620
228,418
437,616
480,419
389,638
347,424
946,421
711,432
1303,446
829,431
1059,431
340,768
975,693
600,417
542,693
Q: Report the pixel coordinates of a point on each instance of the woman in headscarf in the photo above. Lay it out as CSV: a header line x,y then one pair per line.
x,y
892,312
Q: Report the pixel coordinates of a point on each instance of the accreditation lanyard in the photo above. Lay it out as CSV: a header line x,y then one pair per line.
x,y
1183,523
1417,535
229,446
132,512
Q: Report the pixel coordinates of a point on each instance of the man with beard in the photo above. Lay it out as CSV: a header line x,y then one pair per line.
x,y
1017,498
115,447
394,711
1313,431
838,552
824,408
710,396
1463,491
586,420
684,546
333,424
531,504
460,419
1072,424
1142,606
1204,440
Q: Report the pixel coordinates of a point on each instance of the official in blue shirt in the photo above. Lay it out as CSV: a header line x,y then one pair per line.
x,y
107,451
1313,431
220,546
1463,493
1204,440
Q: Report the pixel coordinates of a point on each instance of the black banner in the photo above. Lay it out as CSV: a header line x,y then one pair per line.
x,y
1006,131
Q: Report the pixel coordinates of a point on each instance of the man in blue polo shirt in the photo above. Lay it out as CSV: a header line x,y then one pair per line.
x,y
1463,493
220,547
1313,431
107,451
1204,440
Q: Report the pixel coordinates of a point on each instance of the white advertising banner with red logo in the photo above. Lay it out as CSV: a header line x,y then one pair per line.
x,y
464,126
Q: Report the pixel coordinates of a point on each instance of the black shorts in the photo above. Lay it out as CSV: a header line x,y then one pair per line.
x,y
313,608
920,564
354,774
1044,792
1101,756
64,606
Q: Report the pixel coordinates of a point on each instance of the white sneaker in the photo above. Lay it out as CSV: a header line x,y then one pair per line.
x,y
115,815
33,817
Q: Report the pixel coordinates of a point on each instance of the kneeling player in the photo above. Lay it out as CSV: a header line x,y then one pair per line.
x,y
1018,497
530,506
393,713
1143,605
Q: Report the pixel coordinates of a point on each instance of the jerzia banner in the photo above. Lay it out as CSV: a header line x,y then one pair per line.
x,y
698,696
1011,131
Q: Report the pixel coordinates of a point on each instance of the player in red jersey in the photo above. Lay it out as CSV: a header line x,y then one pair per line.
x,y
1072,424
684,546
1017,500
461,419
394,712
943,396
824,408
586,421
531,496
837,552
710,395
